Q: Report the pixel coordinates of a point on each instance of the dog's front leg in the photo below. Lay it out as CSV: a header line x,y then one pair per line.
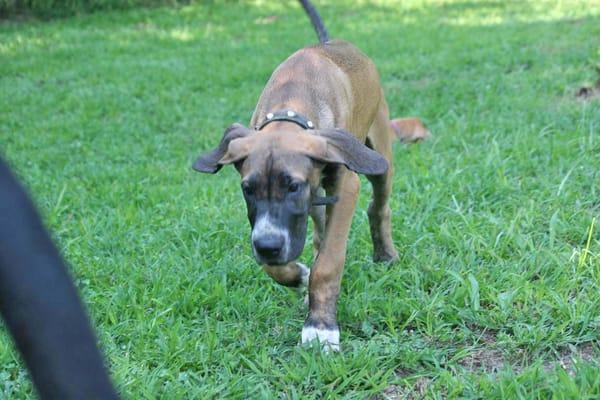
x,y
293,274
317,214
326,273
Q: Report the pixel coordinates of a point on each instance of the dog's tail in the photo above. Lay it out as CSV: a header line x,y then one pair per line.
x,y
409,130
316,21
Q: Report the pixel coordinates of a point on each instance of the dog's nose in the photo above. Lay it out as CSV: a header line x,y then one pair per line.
x,y
269,246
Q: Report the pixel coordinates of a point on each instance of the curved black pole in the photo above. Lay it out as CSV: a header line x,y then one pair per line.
x,y
41,307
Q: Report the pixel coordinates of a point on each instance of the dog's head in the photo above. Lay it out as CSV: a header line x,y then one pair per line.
x,y
281,173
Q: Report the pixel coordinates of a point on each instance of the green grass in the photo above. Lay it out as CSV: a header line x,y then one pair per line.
x,y
47,9
497,293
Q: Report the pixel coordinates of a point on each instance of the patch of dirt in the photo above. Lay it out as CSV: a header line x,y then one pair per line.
x,y
266,20
589,92
592,92
588,352
486,358
414,392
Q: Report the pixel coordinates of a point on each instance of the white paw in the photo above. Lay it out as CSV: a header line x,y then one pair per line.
x,y
305,271
305,276
328,338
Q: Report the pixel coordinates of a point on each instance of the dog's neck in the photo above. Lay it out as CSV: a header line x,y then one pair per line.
x,y
285,115
286,126
280,101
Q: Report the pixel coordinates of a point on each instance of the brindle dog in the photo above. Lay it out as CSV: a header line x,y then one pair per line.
x,y
321,120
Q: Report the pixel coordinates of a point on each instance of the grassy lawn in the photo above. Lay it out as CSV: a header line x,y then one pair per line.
x,y
497,293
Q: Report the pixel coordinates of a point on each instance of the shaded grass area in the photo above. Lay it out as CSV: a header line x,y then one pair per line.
x,y
47,9
496,294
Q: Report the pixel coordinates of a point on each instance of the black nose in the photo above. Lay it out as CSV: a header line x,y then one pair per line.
x,y
269,246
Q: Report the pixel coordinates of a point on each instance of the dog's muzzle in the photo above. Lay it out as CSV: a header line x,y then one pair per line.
x,y
269,247
270,242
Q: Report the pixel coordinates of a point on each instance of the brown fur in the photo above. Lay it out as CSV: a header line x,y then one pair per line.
x,y
409,130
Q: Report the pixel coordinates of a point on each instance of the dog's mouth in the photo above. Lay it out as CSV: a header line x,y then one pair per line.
x,y
271,262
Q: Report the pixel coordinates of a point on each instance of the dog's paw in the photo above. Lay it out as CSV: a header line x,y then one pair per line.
x,y
383,256
304,274
303,286
328,339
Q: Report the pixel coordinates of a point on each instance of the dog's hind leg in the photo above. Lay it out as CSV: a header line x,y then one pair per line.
x,y
380,138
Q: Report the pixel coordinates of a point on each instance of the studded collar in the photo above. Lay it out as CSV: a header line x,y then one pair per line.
x,y
286,115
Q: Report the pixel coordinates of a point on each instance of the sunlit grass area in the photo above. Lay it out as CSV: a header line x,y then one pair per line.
x,y
497,292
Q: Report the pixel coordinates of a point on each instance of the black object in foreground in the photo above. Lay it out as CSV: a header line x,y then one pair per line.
x,y
41,307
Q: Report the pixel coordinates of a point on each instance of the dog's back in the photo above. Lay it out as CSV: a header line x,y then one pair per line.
x,y
364,79
337,76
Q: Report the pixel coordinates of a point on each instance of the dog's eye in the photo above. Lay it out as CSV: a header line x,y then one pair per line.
x,y
294,187
247,189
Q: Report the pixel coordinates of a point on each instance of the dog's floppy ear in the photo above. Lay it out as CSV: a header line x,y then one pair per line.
x,y
343,148
232,148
